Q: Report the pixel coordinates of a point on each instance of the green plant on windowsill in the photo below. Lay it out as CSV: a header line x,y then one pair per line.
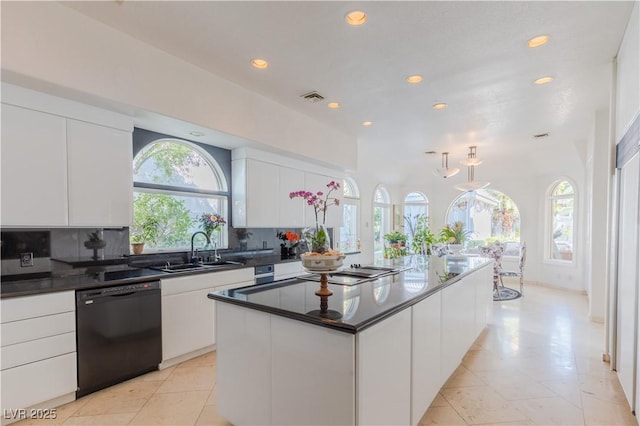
x,y
396,248
143,231
421,236
455,233
396,237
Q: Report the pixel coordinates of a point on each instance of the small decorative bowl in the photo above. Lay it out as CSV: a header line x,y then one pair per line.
x,y
319,262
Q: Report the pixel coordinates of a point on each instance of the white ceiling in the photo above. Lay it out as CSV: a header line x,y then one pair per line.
x,y
473,56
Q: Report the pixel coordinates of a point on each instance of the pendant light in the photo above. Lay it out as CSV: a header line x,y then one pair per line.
x,y
445,171
471,184
471,159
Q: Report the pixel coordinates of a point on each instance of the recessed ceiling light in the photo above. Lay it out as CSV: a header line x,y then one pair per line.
x,y
414,79
367,123
356,18
538,41
440,105
543,80
259,63
333,105
196,133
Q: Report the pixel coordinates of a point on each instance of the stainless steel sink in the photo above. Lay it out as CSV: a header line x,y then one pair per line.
x,y
183,267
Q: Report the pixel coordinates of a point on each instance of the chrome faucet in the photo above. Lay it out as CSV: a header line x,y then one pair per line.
x,y
194,254
216,256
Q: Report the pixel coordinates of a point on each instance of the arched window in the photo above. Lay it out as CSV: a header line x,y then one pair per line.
x,y
349,241
381,220
560,210
176,183
415,206
488,215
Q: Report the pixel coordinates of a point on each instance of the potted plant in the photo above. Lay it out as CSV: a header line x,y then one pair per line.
x,y
422,237
455,235
397,241
143,230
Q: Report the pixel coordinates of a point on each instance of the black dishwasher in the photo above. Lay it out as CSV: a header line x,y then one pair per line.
x,y
119,334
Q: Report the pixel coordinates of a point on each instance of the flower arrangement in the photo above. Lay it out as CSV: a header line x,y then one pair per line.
x,y
211,222
290,236
320,202
316,200
454,233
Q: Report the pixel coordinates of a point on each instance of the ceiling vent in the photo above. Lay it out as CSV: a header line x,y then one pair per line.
x,y
540,135
313,97
430,152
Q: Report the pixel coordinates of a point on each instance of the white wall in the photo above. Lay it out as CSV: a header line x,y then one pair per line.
x,y
598,185
58,49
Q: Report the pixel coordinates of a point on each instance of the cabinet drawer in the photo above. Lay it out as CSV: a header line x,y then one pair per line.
x,y
287,270
37,350
20,308
203,281
38,382
37,328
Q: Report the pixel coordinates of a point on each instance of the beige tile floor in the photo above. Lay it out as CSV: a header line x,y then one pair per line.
x,y
538,363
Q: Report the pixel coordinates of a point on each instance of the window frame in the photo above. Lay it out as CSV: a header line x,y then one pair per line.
x,y
457,198
424,204
550,198
148,138
386,224
351,200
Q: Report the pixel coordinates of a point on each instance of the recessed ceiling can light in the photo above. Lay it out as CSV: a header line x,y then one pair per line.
x,y
367,123
440,105
538,41
196,133
543,80
413,79
356,18
259,63
333,105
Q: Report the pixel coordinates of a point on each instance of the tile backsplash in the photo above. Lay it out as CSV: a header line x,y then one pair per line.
x,y
61,243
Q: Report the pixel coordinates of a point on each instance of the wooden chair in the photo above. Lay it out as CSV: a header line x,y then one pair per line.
x,y
520,272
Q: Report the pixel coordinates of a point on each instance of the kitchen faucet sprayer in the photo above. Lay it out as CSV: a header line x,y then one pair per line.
x,y
194,255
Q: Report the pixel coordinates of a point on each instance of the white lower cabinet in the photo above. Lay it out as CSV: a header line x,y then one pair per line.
x,y
384,372
38,353
458,324
188,315
425,355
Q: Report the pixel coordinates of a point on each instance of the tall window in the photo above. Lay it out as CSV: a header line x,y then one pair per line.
x,y
349,237
415,206
488,214
381,220
561,205
176,182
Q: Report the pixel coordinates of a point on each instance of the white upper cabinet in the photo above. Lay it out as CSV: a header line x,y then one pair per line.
x,y
261,189
254,193
34,168
100,175
63,163
291,212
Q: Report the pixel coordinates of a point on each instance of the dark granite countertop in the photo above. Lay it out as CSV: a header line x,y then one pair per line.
x,y
85,273
354,308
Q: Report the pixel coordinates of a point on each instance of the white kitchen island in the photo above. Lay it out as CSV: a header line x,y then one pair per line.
x,y
397,340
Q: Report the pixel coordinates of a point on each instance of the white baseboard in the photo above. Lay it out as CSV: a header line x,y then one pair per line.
x,y
186,357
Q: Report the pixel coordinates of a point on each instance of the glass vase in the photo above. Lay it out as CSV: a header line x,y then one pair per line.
x,y
317,238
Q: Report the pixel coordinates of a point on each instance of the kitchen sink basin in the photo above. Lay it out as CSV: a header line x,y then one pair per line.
x,y
182,267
